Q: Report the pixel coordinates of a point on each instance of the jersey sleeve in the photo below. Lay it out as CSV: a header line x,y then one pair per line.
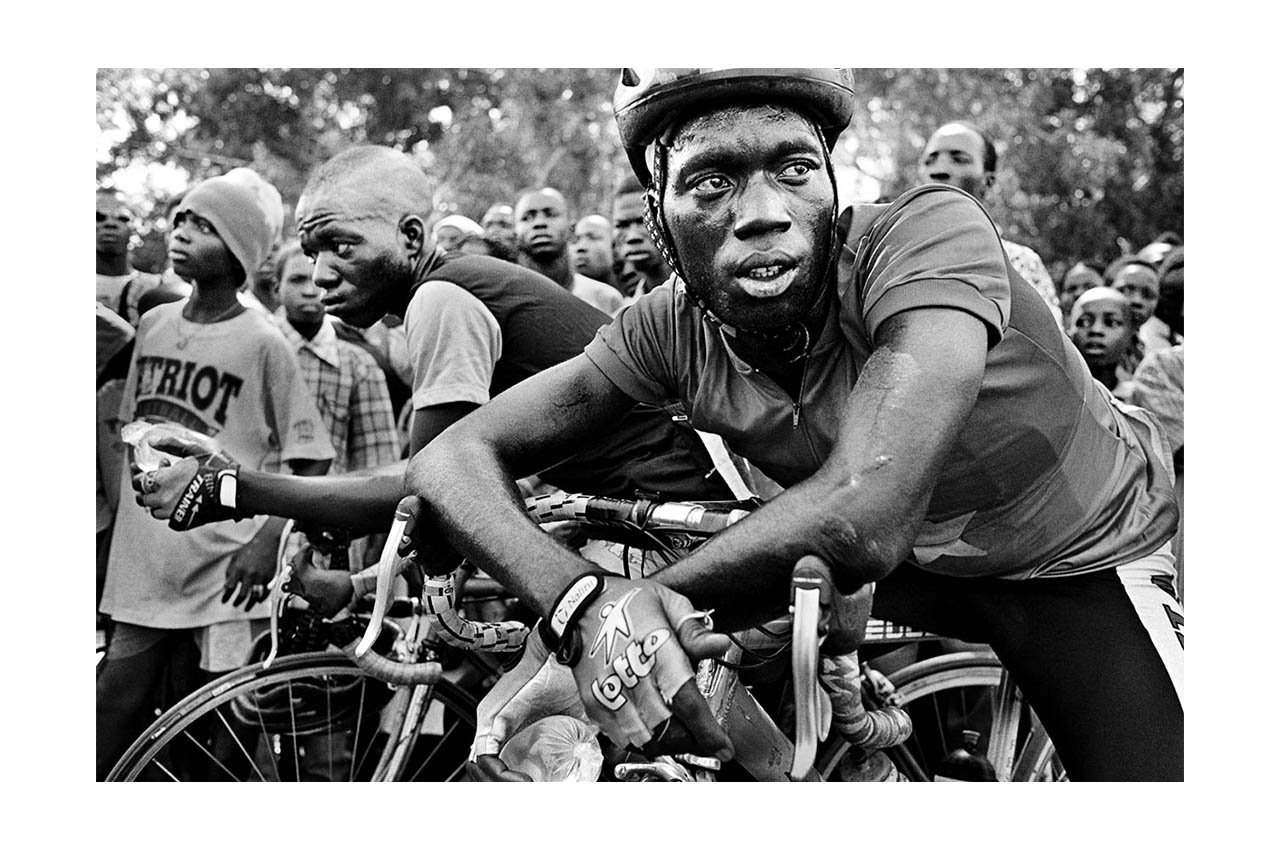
x,y
290,408
631,350
454,345
939,249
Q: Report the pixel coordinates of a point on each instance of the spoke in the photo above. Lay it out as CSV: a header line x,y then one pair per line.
x,y
293,739
267,743
446,735
166,770
217,762
236,738
364,683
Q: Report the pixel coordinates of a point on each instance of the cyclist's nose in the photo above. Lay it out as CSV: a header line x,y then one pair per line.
x,y
760,208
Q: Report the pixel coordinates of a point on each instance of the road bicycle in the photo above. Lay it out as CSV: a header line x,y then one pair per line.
x,y
405,717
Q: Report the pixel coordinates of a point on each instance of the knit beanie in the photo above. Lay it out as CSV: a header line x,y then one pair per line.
x,y
268,197
235,212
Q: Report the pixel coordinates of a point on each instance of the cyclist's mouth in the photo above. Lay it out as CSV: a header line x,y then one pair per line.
x,y
767,280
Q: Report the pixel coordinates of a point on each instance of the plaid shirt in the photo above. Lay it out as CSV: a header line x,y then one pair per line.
x,y
351,394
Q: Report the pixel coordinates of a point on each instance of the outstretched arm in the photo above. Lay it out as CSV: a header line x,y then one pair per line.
x,y
362,502
863,508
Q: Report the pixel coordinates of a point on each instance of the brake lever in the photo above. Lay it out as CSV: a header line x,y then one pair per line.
x,y
811,595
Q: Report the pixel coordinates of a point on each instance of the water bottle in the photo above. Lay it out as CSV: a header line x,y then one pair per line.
x,y
558,748
966,764
867,766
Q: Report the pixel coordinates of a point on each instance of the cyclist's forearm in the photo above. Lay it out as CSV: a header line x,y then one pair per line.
x,y
476,504
360,503
744,572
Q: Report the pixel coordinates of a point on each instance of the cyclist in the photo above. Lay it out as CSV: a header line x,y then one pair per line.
x,y
475,326
937,432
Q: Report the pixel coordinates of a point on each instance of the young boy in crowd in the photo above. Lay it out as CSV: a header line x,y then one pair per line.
x,y
1101,330
212,365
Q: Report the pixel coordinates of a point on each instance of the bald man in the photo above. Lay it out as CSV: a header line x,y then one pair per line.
x,y
475,325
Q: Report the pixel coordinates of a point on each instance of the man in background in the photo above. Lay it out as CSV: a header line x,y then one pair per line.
x,y
542,237
638,264
591,250
961,155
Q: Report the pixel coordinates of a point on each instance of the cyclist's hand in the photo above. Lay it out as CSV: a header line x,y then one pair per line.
x,y
634,673
251,568
326,591
190,491
423,542
537,687
569,533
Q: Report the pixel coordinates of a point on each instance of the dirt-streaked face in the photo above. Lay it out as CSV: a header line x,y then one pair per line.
x,y
749,203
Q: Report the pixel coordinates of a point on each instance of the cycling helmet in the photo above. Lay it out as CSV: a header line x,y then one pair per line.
x,y
648,100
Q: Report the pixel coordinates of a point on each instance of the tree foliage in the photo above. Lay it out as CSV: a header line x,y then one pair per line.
x,y
1087,156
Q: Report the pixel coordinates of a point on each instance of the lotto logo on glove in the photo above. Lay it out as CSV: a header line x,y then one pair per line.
x,y
630,666
634,670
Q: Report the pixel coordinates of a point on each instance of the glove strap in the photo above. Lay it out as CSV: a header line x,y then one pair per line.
x,y
210,497
557,629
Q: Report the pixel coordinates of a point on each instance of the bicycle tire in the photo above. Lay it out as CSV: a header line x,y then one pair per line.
x,y
386,738
1023,752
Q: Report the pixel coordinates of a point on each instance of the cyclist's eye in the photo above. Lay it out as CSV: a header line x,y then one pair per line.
x,y
101,218
709,185
343,250
796,171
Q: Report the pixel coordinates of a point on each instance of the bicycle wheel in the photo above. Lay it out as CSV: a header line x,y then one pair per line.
x,y
953,692
311,717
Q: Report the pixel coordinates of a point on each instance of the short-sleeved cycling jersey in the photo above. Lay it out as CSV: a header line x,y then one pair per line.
x,y
1049,476
539,324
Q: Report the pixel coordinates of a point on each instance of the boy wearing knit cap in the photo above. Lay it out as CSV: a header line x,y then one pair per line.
x,y
212,365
